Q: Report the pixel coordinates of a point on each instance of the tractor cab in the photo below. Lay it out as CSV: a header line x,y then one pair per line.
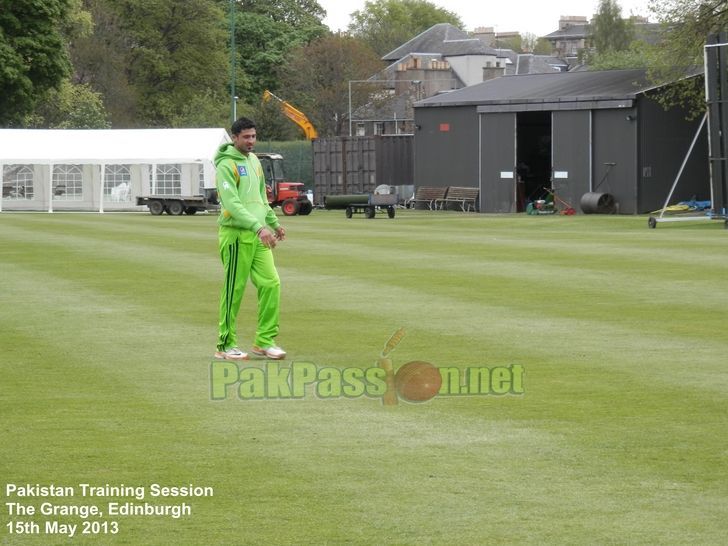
x,y
273,171
289,195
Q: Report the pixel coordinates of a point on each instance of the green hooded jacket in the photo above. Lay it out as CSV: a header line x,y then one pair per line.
x,y
241,190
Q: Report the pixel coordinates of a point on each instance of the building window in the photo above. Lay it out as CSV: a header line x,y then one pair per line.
x,y
17,182
379,128
67,183
361,129
169,180
117,183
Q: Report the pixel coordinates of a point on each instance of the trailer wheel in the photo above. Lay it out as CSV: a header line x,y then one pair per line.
x,y
370,212
190,210
390,211
156,207
175,208
306,208
651,222
290,207
349,212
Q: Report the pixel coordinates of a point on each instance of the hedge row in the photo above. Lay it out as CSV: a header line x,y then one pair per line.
x,y
297,158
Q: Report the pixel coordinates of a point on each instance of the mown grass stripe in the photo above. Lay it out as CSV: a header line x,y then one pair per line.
x,y
106,342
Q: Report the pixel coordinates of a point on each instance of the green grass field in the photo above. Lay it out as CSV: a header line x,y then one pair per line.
x,y
108,325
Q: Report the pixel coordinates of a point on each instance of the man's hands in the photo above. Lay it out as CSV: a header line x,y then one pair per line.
x,y
270,238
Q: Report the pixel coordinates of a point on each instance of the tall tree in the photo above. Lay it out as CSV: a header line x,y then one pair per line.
x,y
608,30
151,59
678,53
174,54
528,42
99,60
387,24
79,22
686,24
542,47
296,13
33,55
316,79
638,55
167,62
266,32
72,106
514,43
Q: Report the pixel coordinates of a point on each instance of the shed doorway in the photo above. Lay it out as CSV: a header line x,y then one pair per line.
x,y
533,157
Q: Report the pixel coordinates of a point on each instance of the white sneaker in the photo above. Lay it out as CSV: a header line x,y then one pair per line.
x,y
231,354
273,352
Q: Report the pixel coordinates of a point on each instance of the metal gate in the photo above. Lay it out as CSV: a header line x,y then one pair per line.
x,y
347,165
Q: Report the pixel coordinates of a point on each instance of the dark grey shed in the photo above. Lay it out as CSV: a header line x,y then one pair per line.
x,y
571,133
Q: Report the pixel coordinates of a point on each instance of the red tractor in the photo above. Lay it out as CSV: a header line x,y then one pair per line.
x,y
289,195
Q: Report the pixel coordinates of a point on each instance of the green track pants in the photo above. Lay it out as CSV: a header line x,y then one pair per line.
x,y
243,258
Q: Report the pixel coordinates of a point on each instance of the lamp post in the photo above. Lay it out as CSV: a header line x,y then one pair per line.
x,y
233,98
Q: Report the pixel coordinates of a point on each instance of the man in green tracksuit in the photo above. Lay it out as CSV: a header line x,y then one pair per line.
x,y
248,231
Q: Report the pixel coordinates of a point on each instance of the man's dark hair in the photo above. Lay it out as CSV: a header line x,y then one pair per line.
x,y
241,125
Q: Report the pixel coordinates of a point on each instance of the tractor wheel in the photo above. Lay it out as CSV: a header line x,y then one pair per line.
x,y
190,211
349,212
390,212
175,208
306,208
290,207
156,207
370,212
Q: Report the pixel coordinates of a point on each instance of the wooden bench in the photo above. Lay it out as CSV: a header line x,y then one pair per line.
x,y
428,195
463,196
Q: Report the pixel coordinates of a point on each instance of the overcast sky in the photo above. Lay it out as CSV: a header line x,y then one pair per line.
x,y
538,17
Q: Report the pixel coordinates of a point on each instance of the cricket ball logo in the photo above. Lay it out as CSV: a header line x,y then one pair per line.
x,y
416,381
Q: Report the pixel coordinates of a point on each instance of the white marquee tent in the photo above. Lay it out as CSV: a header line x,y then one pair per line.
x,y
103,169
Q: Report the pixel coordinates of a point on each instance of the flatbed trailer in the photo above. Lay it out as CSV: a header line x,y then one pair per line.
x,y
180,204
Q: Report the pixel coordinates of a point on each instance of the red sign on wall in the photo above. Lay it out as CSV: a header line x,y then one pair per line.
x,y
444,127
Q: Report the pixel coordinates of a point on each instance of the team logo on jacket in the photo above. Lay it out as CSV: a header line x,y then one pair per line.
x,y
242,171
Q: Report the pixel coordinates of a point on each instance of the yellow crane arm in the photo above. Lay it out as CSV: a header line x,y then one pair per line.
x,y
295,115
